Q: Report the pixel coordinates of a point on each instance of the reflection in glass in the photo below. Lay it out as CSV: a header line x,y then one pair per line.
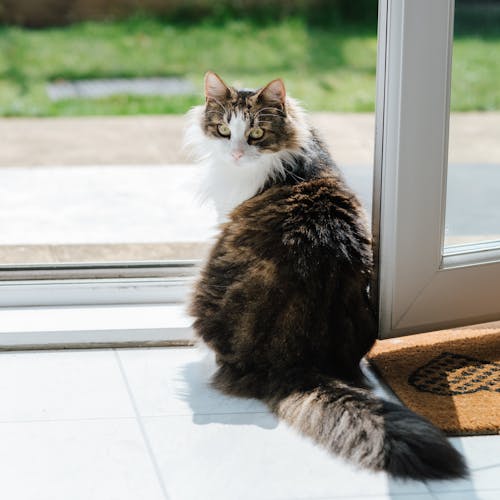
x,y
473,184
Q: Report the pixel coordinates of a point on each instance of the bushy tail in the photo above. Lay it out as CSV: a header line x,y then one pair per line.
x,y
373,433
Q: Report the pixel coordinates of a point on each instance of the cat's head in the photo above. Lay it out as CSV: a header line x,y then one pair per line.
x,y
242,127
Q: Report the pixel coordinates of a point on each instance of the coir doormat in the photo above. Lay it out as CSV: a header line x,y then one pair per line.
x,y
451,377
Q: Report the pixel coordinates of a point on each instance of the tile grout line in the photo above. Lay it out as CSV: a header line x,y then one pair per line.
x,y
429,491
432,493
209,414
66,419
141,427
363,497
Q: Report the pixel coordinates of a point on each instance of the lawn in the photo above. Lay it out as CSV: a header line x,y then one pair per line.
x,y
328,69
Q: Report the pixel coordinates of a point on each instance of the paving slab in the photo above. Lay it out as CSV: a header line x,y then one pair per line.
x,y
120,188
103,204
97,88
152,212
103,252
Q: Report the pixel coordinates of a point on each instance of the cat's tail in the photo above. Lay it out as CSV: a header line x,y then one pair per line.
x,y
373,433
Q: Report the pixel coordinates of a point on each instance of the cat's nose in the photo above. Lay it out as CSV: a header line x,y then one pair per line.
x,y
237,154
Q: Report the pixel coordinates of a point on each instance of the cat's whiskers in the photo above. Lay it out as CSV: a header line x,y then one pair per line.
x,y
269,108
215,112
221,105
226,185
265,116
294,176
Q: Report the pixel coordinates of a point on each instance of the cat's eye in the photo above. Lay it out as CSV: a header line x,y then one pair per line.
x,y
256,133
224,130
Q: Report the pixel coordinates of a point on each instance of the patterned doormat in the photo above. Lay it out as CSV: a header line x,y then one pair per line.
x,y
451,377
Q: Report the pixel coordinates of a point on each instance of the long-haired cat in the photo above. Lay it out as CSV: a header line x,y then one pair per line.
x,y
283,299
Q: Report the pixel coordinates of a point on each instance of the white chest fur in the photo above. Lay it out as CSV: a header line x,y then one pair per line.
x,y
229,182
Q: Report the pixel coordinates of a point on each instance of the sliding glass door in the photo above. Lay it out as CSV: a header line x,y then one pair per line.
x,y
436,194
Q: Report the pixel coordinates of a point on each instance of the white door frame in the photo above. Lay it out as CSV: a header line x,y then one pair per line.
x,y
420,288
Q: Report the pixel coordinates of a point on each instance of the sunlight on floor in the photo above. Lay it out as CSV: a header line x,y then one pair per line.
x,y
142,423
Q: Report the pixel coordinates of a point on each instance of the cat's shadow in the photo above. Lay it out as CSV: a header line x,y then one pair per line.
x,y
209,406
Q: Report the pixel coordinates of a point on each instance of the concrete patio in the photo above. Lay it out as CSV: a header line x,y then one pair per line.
x,y
120,188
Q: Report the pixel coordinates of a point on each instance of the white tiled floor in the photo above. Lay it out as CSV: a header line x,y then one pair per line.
x,y
143,424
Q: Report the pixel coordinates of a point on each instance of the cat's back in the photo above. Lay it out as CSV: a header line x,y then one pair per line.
x,y
280,264
317,218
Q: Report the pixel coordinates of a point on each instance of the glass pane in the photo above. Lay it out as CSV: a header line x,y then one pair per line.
x,y
88,174
473,191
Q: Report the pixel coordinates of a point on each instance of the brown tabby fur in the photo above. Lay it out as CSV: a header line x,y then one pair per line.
x,y
260,112
279,286
284,302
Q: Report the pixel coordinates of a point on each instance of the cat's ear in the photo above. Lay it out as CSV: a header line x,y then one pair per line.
x,y
273,93
215,88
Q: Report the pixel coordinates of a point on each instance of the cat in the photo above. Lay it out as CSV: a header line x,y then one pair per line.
x,y
284,297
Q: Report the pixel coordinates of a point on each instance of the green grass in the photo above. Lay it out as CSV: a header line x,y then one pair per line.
x,y
327,69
